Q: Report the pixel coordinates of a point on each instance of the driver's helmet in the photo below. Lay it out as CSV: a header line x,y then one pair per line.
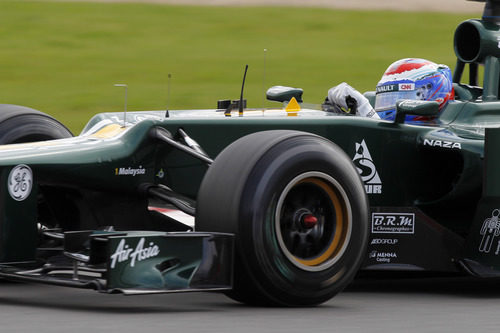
x,y
416,79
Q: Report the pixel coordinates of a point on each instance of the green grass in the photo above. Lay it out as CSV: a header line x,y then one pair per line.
x,y
63,58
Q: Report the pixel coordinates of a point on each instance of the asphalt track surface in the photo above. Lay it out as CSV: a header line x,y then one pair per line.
x,y
375,305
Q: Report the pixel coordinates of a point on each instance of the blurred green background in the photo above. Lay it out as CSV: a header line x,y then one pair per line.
x,y
63,58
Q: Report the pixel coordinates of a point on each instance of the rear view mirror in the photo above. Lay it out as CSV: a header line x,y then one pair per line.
x,y
284,94
416,108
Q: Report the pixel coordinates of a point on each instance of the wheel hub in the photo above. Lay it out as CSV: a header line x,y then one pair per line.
x,y
312,221
309,221
305,219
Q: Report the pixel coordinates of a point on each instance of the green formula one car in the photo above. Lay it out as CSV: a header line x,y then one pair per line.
x,y
273,207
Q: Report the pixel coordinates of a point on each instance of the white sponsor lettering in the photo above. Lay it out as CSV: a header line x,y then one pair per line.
x,y
384,241
412,103
382,257
373,189
130,171
386,88
123,252
393,223
442,143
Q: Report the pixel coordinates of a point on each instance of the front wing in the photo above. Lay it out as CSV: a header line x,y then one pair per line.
x,y
134,262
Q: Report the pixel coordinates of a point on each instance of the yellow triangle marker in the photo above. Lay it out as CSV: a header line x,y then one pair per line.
x,y
293,106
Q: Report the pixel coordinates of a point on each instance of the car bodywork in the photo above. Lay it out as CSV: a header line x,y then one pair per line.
x,y
433,190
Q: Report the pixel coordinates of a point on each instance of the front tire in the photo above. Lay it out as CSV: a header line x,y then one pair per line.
x,y
20,124
299,213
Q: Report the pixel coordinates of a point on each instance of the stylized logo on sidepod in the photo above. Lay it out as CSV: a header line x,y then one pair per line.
x,y
366,168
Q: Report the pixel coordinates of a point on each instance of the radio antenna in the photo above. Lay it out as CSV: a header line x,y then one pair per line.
x,y
241,95
264,83
125,107
168,95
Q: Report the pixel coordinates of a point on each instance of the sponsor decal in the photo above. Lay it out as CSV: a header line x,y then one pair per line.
x,y
442,143
383,257
384,241
124,252
412,103
130,171
160,174
393,223
20,182
406,86
387,88
490,230
366,168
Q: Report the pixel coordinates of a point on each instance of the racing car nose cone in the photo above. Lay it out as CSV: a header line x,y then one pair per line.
x,y
309,221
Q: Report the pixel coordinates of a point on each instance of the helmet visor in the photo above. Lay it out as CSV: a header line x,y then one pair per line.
x,y
387,101
389,94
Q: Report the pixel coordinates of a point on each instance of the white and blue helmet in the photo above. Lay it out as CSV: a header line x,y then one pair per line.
x,y
416,79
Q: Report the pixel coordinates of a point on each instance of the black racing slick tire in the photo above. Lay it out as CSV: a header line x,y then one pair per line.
x,y
19,124
299,213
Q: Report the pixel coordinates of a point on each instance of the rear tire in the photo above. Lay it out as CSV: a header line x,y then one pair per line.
x,y
299,213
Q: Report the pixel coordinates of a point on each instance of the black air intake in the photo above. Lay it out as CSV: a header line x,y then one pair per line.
x,y
475,40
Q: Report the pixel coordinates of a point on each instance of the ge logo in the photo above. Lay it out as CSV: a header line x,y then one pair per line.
x,y
20,182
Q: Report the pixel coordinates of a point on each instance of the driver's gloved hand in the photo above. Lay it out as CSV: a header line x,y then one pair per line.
x,y
343,96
